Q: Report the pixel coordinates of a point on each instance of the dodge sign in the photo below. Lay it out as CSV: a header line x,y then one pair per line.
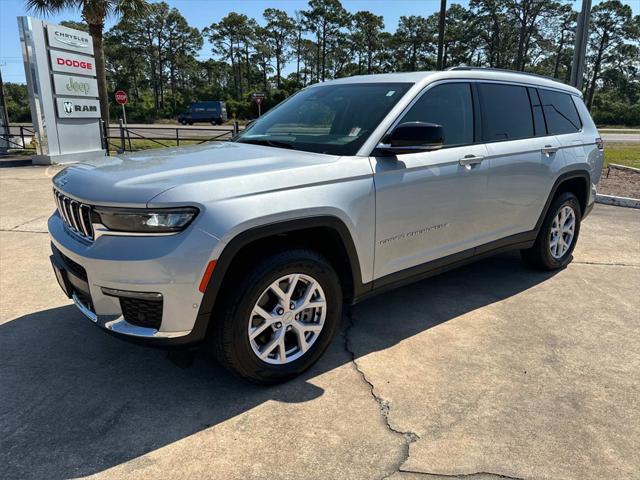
x,y
72,63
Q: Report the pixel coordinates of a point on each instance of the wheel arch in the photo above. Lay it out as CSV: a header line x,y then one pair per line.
x,y
577,182
327,234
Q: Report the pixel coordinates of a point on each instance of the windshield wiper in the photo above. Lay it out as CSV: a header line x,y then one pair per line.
x,y
268,143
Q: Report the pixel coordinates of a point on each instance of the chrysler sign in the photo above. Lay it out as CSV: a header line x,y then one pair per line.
x,y
77,108
75,86
69,39
72,63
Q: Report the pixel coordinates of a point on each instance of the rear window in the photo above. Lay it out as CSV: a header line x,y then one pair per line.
x,y
506,112
450,106
560,112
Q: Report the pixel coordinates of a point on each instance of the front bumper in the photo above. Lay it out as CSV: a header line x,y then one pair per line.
x,y
170,265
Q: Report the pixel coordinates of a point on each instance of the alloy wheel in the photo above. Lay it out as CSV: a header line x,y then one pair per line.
x,y
287,319
562,231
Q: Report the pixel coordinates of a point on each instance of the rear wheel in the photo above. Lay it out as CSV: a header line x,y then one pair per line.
x,y
558,235
279,317
184,122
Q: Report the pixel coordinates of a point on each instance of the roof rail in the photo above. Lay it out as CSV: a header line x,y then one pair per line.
x,y
504,70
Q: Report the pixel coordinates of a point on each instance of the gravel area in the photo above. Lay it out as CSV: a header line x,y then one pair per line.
x,y
620,182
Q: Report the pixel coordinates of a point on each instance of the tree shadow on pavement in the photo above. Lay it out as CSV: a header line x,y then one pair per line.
x,y
75,401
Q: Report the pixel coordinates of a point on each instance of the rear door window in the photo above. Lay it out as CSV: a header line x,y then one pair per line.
x,y
506,112
449,105
539,126
560,112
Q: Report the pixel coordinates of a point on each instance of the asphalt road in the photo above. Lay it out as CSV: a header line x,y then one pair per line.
x,y
490,368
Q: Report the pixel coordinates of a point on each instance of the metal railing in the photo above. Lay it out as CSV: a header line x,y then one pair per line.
x,y
123,138
18,137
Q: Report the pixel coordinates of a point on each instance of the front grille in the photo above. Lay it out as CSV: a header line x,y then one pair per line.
x,y
74,267
76,215
143,313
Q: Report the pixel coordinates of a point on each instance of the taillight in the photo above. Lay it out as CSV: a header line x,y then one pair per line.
x,y
600,143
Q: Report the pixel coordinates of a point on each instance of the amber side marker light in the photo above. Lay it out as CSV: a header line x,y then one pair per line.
x,y
207,275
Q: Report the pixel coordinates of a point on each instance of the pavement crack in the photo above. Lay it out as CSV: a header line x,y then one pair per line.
x,y
466,476
610,264
383,404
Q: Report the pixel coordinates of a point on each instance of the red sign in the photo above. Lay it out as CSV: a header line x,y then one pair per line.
x,y
74,63
121,97
258,100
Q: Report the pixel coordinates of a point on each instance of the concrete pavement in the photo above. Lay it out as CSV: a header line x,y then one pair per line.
x,y
487,371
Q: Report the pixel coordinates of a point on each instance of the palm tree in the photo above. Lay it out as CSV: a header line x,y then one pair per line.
x,y
94,13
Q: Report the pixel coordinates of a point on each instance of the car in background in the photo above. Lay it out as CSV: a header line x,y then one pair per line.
x,y
214,112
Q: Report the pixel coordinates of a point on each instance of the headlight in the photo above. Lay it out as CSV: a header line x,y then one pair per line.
x,y
161,220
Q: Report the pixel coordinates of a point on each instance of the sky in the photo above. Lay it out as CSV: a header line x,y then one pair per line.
x,y
202,13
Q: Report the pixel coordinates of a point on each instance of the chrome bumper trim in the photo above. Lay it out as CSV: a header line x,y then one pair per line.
x,y
85,311
121,326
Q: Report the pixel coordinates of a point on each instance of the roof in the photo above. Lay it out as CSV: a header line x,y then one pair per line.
x,y
467,74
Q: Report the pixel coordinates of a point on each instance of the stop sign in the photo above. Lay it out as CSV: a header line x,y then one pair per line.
x,y
121,97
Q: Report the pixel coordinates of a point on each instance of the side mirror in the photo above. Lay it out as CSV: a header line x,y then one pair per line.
x,y
412,137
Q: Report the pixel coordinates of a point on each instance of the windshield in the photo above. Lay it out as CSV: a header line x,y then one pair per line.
x,y
332,119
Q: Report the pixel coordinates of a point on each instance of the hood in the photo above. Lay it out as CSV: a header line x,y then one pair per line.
x,y
132,180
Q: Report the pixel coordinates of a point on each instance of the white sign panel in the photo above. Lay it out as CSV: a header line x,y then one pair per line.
x,y
76,86
71,63
78,108
69,39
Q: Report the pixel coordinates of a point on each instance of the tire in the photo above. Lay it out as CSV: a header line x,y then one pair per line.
x,y
230,340
184,122
542,255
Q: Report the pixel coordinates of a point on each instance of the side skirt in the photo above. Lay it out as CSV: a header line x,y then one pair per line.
x,y
441,265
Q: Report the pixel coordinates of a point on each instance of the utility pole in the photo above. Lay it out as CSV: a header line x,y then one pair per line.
x,y
580,45
441,26
4,121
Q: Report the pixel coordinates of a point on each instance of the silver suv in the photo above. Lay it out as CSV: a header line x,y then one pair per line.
x,y
346,189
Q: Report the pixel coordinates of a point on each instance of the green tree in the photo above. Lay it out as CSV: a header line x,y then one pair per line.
x,y
94,13
280,31
612,24
366,31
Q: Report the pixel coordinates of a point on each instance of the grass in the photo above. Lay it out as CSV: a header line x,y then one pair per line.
x,y
622,153
144,144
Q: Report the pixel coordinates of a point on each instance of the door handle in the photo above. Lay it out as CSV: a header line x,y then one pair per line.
x,y
469,160
549,149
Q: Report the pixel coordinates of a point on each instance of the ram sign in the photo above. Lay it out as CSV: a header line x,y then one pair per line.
x,y
63,91
77,108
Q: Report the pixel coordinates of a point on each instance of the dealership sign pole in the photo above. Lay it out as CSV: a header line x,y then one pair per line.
x,y
63,91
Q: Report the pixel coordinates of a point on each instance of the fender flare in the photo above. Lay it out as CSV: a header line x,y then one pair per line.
x,y
584,174
263,231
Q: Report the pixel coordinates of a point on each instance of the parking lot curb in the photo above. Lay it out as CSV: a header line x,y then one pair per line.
x,y
618,201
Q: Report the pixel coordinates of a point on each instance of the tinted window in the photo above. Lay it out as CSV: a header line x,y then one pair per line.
x,y
560,112
334,118
539,127
506,112
449,105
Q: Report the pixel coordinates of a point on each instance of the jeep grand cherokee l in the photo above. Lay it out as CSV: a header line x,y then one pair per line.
x,y
345,189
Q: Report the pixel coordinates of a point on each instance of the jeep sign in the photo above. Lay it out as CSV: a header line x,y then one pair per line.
x,y
72,63
69,39
75,86
77,108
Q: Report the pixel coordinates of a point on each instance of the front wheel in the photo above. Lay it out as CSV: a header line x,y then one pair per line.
x,y
279,317
558,235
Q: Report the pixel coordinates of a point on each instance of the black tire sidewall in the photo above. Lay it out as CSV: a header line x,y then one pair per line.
x,y
549,261
241,357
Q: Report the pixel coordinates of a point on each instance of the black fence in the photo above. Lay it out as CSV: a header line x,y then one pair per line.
x,y
18,137
122,138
